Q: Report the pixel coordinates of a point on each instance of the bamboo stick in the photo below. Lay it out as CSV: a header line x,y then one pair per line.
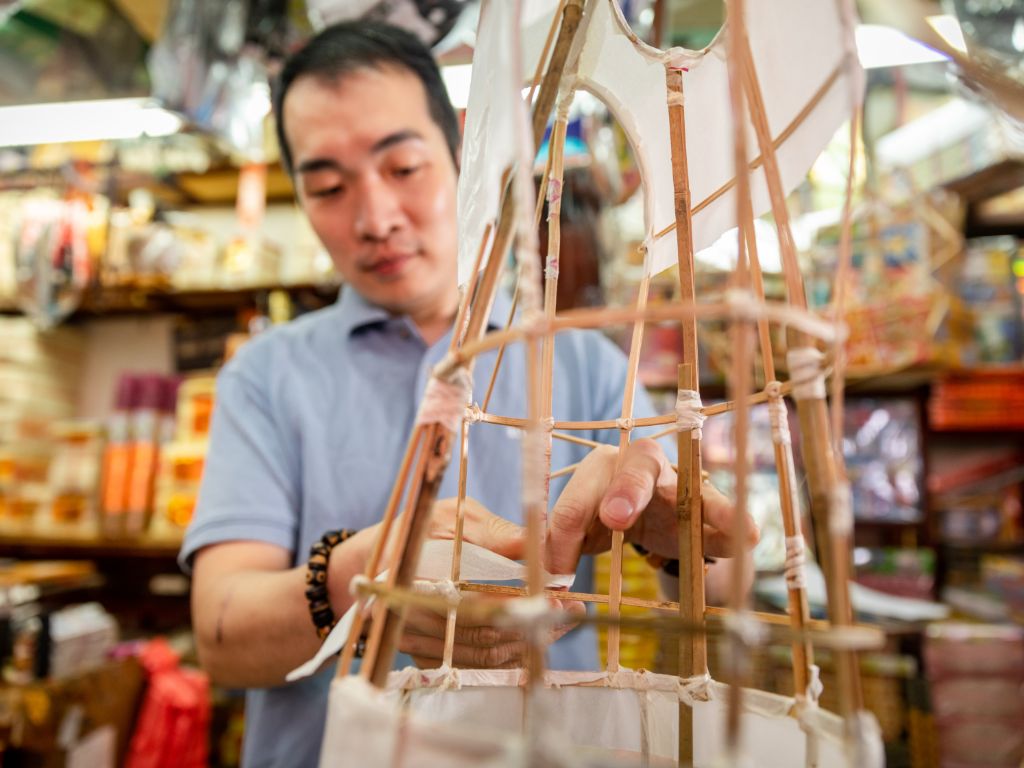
x,y
779,140
666,619
372,566
739,381
385,633
460,519
618,537
833,546
802,321
799,612
689,501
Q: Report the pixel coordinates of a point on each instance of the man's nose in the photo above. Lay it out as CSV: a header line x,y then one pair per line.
x,y
379,212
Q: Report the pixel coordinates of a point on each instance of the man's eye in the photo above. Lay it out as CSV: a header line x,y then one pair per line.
x,y
326,191
406,170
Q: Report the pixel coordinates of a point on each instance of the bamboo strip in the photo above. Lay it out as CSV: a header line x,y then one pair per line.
x,y
740,379
779,140
385,633
460,519
373,565
692,650
495,610
618,538
833,548
803,322
799,612
380,616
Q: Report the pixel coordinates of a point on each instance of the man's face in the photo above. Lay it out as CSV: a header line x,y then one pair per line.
x,y
377,181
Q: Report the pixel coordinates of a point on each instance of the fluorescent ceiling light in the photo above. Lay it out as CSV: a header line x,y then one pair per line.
x,y
99,120
880,46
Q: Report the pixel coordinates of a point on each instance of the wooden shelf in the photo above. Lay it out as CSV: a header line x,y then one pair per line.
x,y
36,545
126,300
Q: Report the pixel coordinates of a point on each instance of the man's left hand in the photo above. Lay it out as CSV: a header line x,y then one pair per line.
x,y
639,498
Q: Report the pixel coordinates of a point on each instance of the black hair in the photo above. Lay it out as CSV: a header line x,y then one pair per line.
x,y
350,46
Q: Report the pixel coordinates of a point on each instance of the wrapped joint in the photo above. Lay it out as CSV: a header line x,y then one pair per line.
x,y
694,689
444,399
805,372
796,560
358,584
626,425
840,510
536,466
474,414
778,415
814,685
443,587
690,413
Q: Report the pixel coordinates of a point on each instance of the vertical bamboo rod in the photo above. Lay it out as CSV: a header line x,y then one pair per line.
x,y
785,470
833,546
373,564
693,659
618,537
556,146
438,438
690,533
460,519
380,611
740,378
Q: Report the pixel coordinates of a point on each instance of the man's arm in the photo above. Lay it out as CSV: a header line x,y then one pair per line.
x,y
250,613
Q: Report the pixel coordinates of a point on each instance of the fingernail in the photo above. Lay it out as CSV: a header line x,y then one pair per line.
x,y
618,511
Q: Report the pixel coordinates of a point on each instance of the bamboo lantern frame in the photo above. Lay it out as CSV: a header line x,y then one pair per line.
x,y
430,445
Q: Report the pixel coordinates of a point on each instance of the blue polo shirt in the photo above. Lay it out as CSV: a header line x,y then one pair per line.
x,y
310,425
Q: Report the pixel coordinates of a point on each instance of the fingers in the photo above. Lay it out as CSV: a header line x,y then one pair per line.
x,y
576,510
632,484
480,527
476,645
719,524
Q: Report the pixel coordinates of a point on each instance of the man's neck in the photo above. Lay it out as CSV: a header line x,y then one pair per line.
x,y
434,324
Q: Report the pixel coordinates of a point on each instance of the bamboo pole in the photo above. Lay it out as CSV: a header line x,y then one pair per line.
x,y
829,506
437,448
799,611
460,519
372,566
666,618
625,428
740,380
692,650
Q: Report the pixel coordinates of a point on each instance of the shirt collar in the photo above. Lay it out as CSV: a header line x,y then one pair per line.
x,y
356,313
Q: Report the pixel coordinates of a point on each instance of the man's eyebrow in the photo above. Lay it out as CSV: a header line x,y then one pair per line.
x,y
319,164
328,164
395,138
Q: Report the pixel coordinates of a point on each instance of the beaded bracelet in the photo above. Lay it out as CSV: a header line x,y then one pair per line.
x,y
316,579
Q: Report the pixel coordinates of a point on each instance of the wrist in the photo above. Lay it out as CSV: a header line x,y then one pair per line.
x,y
318,581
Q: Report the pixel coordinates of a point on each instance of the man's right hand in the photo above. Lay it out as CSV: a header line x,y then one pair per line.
x,y
477,645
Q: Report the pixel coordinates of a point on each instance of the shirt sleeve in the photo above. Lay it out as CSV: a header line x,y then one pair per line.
x,y
250,489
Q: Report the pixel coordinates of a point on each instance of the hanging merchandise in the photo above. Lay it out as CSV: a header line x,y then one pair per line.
x,y
212,64
53,263
429,20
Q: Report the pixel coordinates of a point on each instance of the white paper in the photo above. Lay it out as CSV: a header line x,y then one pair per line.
x,y
477,564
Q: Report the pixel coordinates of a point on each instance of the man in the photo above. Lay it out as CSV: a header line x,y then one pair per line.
x,y
312,418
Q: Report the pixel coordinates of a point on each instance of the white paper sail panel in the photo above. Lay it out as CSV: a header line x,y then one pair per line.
x,y
474,718
805,84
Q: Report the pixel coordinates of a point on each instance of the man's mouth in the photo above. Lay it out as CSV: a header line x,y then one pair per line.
x,y
388,265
